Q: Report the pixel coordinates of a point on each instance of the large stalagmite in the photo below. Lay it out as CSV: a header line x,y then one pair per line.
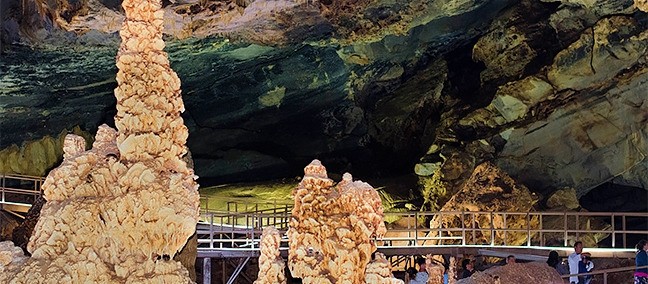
x,y
119,212
332,228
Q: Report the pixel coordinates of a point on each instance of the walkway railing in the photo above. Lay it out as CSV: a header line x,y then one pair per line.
x,y
606,272
219,232
239,226
20,189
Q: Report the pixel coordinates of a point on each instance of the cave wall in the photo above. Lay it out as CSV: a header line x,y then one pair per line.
x,y
551,92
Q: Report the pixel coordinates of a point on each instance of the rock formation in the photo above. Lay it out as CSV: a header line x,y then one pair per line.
x,y
118,212
489,189
532,272
641,5
332,228
271,264
435,271
379,271
11,259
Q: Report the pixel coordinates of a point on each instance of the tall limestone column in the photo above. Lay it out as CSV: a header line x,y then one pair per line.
x,y
118,212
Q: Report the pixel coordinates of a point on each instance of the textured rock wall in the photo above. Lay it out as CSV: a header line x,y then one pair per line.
x,y
332,228
118,212
36,157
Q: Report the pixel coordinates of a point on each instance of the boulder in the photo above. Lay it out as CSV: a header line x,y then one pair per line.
x,y
489,189
532,272
563,199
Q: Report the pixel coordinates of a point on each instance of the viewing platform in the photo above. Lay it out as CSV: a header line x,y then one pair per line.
x,y
235,233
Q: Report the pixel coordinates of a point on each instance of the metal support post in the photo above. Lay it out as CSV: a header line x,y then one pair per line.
x,y
207,270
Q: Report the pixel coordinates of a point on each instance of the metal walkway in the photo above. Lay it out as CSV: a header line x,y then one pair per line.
x,y
236,231
237,234
18,193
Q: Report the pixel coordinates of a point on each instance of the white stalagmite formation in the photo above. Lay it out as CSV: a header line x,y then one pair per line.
x,y
332,228
379,271
119,212
271,265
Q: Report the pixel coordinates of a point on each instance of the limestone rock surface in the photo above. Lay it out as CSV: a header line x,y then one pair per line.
x,y
271,264
379,271
118,212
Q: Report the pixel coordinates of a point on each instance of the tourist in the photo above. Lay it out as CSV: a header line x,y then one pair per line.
x,y
584,266
573,259
421,276
641,274
510,259
468,268
410,274
556,262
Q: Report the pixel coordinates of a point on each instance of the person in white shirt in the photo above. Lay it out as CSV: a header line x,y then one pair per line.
x,y
573,259
421,275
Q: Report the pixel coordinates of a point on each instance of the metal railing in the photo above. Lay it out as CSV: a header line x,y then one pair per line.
x,y
605,272
242,205
534,228
523,229
237,230
20,189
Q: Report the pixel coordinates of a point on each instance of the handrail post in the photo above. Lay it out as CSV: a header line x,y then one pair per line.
x,y
416,228
472,224
253,228
3,188
505,227
565,229
463,229
211,230
541,230
613,233
623,220
604,277
440,216
492,225
528,217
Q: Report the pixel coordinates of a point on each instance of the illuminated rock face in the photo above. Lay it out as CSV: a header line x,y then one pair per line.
x,y
119,212
489,189
379,271
332,227
271,264
641,5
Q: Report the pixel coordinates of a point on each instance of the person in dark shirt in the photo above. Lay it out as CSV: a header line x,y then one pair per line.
x,y
641,274
556,262
468,268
